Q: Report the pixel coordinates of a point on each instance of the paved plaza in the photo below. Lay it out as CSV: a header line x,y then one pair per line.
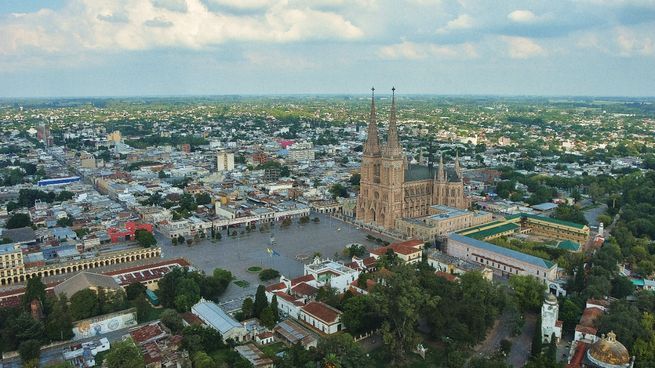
x,y
295,245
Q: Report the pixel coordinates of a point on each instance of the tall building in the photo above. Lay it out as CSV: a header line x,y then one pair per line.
x,y
392,189
550,325
224,161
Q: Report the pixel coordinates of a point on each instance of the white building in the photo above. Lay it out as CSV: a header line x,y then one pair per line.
x,y
213,316
322,317
224,161
330,272
549,323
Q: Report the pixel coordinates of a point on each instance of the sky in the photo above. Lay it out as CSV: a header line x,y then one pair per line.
x,y
55,48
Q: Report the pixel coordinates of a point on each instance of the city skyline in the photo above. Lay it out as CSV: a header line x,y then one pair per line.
x,y
222,47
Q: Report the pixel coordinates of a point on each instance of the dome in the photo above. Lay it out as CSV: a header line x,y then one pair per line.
x,y
607,352
551,299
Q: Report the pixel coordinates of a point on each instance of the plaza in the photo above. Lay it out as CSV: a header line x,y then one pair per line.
x,y
294,246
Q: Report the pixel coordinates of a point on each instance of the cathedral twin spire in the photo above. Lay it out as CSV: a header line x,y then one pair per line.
x,y
392,148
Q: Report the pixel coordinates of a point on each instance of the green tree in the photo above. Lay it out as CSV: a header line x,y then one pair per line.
x,y
338,190
269,274
203,199
399,303
359,314
171,319
528,292
202,360
267,317
537,343
145,238
18,220
275,308
59,323
342,351
124,354
84,304
247,308
29,351
35,289
260,301
134,290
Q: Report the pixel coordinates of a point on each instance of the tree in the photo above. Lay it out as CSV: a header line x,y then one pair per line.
x,y
303,220
145,238
59,323
35,289
269,274
354,179
202,360
124,354
528,292
267,317
203,199
342,351
171,319
399,303
84,304
134,290
247,308
505,346
274,308
359,314
537,343
29,351
338,190
18,220
622,287
65,221
260,301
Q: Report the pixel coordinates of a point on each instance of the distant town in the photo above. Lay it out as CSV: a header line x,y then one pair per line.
x,y
371,230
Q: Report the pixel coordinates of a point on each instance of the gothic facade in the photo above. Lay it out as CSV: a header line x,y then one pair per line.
x,y
391,189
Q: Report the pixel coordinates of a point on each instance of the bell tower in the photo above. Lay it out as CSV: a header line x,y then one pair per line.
x,y
393,172
369,191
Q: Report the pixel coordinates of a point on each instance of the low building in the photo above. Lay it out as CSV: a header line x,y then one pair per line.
x,y
327,271
87,280
213,316
505,261
256,357
441,221
443,262
321,317
408,251
291,333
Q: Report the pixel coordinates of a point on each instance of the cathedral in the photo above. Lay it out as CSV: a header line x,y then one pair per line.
x,y
392,189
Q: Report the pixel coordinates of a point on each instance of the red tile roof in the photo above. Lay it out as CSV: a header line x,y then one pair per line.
x,y
413,243
589,316
322,311
304,289
586,329
275,287
300,279
446,275
578,356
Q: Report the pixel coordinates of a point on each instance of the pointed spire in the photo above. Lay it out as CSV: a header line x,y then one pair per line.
x,y
458,169
393,148
441,175
372,146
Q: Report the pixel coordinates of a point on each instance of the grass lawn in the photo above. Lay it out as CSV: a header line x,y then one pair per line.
x,y
254,269
242,283
272,349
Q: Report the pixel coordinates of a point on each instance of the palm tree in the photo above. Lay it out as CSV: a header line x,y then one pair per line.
x,y
331,360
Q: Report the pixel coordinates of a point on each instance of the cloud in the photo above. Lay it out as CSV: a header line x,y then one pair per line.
x,y
630,43
158,23
172,5
114,18
139,25
416,51
462,22
522,48
522,16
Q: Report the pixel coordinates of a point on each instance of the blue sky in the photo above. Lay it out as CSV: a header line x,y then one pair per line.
x,y
180,47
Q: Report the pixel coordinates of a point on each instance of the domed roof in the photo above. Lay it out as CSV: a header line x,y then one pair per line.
x,y
609,351
551,299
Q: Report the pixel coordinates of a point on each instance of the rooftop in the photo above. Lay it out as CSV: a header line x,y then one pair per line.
x,y
322,311
539,262
215,316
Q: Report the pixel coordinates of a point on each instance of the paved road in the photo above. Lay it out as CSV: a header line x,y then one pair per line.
x,y
591,215
522,344
295,246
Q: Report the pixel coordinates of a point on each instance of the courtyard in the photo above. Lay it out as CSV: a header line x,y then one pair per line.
x,y
294,246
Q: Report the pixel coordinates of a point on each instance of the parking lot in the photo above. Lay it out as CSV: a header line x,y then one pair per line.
x,y
295,245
